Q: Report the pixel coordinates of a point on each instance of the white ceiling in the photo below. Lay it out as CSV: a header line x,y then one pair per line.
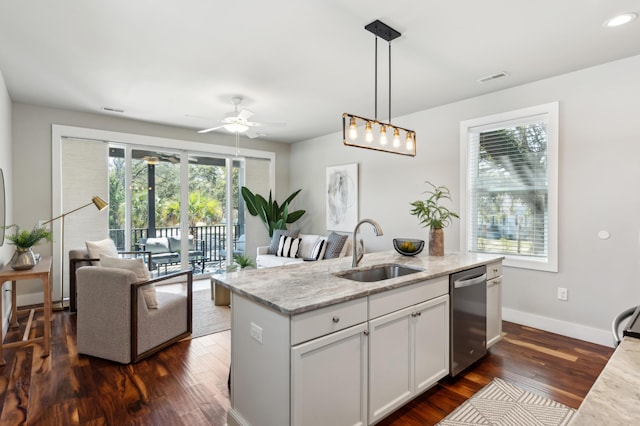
x,y
303,62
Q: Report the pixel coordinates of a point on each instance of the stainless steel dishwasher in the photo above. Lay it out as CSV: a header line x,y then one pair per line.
x,y
468,291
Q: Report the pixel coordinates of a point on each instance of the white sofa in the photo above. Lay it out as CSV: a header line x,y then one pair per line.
x,y
266,260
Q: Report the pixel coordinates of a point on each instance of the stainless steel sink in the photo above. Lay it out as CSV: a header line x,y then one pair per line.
x,y
378,273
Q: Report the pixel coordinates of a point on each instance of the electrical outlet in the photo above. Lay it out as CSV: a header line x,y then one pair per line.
x,y
256,332
563,293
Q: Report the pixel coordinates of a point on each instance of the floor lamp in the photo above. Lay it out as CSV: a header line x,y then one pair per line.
x,y
100,205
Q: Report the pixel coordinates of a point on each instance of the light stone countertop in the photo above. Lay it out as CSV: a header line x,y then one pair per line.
x,y
303,287
614,399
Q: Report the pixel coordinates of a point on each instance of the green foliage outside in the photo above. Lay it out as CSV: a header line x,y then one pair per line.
x,y
207,194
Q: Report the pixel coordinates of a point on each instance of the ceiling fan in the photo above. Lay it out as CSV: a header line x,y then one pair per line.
x,y
237,121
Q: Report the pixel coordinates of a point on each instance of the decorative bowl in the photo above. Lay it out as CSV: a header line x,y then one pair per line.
x,y
407,246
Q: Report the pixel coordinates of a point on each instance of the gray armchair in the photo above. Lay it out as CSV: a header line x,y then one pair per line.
x,y
113,321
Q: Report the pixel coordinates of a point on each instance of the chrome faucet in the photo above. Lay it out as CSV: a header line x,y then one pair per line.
x,y
358,252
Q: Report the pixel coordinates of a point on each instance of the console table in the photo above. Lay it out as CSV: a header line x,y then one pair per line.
x,y
41,271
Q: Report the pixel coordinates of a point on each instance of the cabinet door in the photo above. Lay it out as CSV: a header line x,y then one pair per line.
x,y
329,379
431,337
494,311
390,357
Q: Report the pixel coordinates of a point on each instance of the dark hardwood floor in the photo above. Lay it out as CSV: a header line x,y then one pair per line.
x,y
186,384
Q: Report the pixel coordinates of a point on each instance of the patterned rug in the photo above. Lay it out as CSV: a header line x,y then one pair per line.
x,y
208,318
502,403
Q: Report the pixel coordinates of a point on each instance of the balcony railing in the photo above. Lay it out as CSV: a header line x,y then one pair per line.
x,y
212,238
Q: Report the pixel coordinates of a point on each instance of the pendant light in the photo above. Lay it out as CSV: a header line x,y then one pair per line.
x,y
369,133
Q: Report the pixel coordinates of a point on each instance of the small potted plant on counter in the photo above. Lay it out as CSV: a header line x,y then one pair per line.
x,y
434,216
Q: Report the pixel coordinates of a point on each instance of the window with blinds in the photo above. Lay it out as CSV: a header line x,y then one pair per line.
x,y
510,187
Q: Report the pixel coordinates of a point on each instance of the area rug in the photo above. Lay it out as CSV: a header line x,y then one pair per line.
x,y
502,403
208,318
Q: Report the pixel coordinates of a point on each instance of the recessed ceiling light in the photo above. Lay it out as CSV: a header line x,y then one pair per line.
x,y
621,19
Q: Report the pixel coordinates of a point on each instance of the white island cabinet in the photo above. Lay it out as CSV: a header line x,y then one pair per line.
x,y
311,348
408,348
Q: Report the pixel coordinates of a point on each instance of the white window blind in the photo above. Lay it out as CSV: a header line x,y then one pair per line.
x,y
508,188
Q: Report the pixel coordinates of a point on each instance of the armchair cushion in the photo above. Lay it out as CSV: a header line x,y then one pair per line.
x,y
106,247
138,267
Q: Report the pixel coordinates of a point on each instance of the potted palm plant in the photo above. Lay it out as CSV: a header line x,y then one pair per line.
x,y
24,240
273,215
434,216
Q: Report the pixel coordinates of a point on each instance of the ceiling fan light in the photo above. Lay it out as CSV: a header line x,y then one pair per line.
x,y
236,127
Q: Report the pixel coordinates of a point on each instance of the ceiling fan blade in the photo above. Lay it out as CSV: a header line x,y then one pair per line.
x,y
272,124
210,130
245,114
253,133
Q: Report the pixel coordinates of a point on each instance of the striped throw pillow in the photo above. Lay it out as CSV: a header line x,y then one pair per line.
x,y
318,250
288,246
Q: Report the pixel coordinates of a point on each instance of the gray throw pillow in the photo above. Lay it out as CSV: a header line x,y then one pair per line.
x,y
275,239
335,243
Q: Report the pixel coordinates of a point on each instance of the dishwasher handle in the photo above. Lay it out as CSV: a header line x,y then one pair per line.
x,y
470,281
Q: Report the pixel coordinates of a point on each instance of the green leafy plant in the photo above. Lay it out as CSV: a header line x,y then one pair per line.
x,y
273,215
243,261
25,239
429,211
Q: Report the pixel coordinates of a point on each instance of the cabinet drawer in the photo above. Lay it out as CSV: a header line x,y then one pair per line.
x,y
312,324
399,298
494,270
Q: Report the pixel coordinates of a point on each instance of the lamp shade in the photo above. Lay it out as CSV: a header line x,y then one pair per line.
x,y
100,203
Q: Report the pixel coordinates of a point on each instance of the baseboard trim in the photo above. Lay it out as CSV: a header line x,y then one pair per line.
x,y
235,419
565,328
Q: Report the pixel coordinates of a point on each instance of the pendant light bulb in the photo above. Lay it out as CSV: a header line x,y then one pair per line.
x,y
353,129
368,132
409,143
383,135
396,138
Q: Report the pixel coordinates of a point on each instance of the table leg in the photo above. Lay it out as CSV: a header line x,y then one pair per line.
x,y
2,361
14,308
46,281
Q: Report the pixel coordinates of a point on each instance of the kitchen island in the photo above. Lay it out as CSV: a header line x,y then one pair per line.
x,y
613,399
310,347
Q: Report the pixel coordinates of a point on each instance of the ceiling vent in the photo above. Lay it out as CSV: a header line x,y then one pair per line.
x,y
497,76
113,109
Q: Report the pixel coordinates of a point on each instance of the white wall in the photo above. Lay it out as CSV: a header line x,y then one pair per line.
x,y
6,250
32,159
599,189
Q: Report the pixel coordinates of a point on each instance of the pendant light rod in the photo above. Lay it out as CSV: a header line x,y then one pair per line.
x,y
375,96
389,82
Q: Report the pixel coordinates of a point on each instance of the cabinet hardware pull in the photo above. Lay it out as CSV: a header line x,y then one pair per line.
x,y
336,319
366,332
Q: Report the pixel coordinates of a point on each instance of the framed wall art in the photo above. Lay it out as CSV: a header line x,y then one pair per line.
x,y
342,197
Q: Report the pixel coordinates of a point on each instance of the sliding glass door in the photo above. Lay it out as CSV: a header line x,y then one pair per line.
x,y
147,189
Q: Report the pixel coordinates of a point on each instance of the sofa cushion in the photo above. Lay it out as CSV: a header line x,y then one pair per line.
x,y
307,244
138,267
288,247
319,248
275,240
335,244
